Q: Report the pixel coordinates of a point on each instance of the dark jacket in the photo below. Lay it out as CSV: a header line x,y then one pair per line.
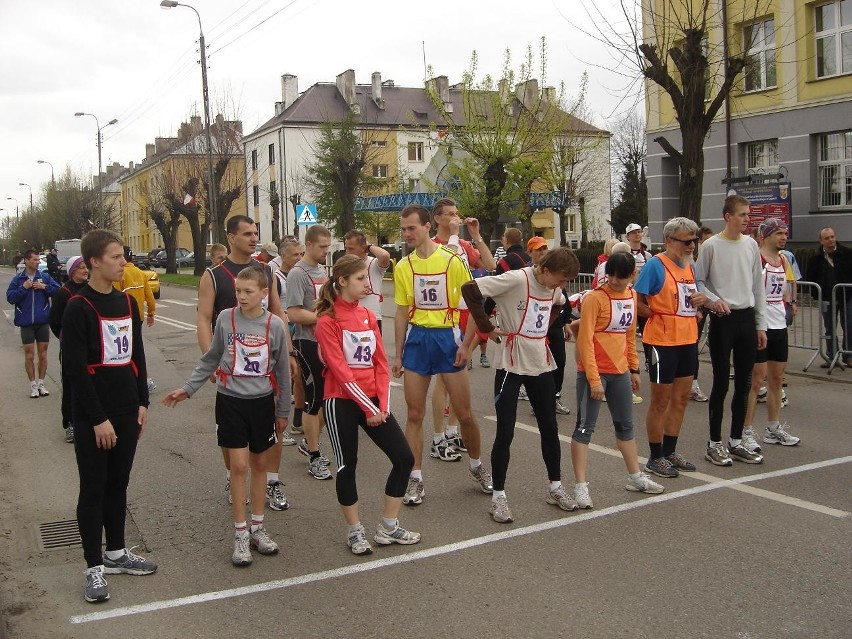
x,y
821,272
515,258
31,306
53,265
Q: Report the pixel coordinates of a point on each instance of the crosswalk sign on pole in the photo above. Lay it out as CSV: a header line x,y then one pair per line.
x,y
306,214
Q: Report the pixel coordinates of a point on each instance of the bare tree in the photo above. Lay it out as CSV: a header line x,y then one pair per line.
x,y
628,154
155,196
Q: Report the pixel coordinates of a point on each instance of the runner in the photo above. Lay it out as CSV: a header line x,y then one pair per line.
x,y
529,301
378,261
608,368
771,361
427,292
729,273
135,283
668,297
303,284
357,393
249,356
105,361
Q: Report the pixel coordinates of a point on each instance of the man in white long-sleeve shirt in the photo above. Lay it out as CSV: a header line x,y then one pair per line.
x,y
729,273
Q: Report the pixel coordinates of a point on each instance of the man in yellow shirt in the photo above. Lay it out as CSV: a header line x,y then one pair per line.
x,y
135,283
427,286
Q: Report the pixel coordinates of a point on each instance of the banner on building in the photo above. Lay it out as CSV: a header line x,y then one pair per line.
x,y
770,199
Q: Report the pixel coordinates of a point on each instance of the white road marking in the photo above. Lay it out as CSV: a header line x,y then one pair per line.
x,y
751,490
438,551
182,303
396,384
175,323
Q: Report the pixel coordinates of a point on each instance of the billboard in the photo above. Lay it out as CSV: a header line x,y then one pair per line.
x,y
772,199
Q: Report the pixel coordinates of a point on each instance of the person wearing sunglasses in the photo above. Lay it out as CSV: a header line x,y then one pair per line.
x,y
669,299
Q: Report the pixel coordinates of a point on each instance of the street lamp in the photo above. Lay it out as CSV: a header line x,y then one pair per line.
x,y
52,178
31,194
17,214
211,200
100,140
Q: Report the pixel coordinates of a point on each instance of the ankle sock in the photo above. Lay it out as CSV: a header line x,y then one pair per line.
x,y
554,485
271,478
734,442
240,526
115,554
353,528
256,522
437,438
635,476
417,474
451,432
390,524
497,493
475,463
772,426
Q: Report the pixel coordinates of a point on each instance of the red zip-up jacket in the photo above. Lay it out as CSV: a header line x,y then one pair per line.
x,y
341,380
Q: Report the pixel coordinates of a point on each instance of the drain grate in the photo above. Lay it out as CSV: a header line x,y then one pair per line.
x,y
59,534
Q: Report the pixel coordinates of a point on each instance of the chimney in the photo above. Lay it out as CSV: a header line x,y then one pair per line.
x,y
503,89
150,151
440,87
527,93
195,124
377,90
289,92
548,94
346,85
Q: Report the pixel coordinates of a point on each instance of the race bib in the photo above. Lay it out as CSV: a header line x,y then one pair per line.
x,y
430,292
251,361
775,284
684,305
116,341
622,313
359,347
536,318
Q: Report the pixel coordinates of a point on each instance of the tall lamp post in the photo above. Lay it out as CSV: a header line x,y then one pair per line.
x,y
17,214
31,194
211,200
80,114
52,177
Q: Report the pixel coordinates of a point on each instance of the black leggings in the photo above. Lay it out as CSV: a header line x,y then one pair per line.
x,y
735,332
701,323
343,417
542,396
556,342
66,392
104,475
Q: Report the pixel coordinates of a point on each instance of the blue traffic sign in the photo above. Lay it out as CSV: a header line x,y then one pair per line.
x,y
306,214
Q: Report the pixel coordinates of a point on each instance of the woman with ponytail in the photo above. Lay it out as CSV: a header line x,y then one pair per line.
x,y
357,394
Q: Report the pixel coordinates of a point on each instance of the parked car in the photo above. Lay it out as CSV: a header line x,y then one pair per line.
x,y
153,281
207,260
42,265
159,260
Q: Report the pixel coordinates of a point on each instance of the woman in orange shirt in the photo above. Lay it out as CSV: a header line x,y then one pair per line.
x,y
608,367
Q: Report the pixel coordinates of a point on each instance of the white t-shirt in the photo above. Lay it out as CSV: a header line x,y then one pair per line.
x,y
376,274
524,307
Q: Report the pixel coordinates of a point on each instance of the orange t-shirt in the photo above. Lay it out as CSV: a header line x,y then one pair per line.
x,y
607,340
673,321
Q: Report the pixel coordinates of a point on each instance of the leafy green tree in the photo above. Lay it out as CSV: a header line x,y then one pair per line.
x,y
379,225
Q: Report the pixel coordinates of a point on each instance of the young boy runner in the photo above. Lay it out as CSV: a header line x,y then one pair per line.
x,y
427,290
357,393
105,362
528,301
303,285
771,361
78,274
608,368
249,356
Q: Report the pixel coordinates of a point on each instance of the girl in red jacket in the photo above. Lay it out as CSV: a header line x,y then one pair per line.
x,y
357,393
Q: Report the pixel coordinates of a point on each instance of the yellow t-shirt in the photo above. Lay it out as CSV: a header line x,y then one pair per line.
x,y
431,287
135,283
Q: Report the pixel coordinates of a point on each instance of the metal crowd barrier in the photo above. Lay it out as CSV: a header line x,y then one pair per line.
x,y
806,331
841,304
582,282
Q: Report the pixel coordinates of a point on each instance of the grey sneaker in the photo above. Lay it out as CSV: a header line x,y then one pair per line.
x,y
358,543
275,496
398,535
303,448
561,408
318,468
69,435
749,441
561,498
262,542
129,564
784,402
483,478
242,549
741,453
457,443
415,492
96,585
582,496
644,484
780,436
661,467
522,394
761,394
296,430
443,451
681,463
483,361
42,391
696,395
287,440
500,510
717,454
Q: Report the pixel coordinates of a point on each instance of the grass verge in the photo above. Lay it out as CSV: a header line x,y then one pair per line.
x,y
181,279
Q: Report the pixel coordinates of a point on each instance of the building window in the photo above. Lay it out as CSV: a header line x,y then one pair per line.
x,y
762,156
254,160
759,39
572,223
413,184
835,169
271,154
255,195
379,143
415,151
272,187
833,27
380,170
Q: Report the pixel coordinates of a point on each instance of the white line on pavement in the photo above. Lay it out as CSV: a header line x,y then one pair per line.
x,y
751,490
182,303
438,551
175,323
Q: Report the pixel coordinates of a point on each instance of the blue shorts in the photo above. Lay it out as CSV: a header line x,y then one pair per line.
x,y
430,351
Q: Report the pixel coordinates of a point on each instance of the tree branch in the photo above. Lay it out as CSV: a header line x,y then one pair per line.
x,y
668,148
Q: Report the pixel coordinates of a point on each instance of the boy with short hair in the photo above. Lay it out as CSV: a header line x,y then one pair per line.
x,y
250,358
105,363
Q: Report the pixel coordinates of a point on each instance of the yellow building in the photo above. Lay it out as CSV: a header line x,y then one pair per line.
x,y
789,112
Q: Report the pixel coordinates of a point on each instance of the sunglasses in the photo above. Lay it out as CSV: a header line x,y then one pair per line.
x,y
689,242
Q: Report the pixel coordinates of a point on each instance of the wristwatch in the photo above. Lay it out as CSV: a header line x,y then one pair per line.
x,y
634,371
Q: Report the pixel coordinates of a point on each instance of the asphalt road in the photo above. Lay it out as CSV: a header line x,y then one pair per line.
x,y
743,552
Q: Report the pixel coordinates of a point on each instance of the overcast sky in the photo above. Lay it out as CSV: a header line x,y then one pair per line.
x,y
134,61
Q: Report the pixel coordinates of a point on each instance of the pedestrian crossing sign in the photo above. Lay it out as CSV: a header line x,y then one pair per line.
x,y
306,214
